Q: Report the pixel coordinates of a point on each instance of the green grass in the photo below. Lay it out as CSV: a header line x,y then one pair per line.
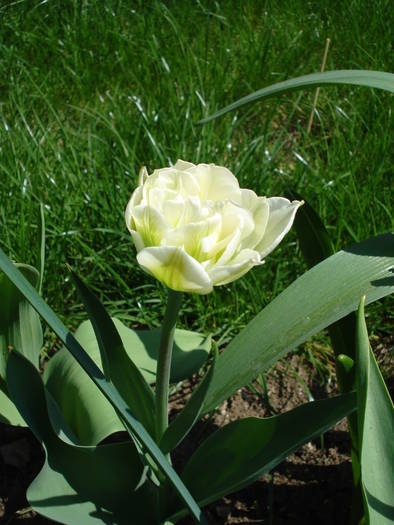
x,y
91,91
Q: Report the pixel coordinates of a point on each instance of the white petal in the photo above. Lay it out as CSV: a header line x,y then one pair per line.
x,y
135,198
137,239
142,176
175,268
150,224
231,247
280,220
173,210
158,196
216,182
237,267
190,236
259,208
233,213
163,178
182,165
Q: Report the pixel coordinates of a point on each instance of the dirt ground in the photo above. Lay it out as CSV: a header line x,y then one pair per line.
x,y
312,486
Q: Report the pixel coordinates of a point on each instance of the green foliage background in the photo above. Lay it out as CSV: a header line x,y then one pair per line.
x,y
91,91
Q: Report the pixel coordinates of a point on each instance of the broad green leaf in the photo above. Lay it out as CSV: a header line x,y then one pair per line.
x,y
375,418
95,374
20,326
190,351
118,367
86,410
242,451
8,412
356,77
316,245
88,485
324,294
313,238
184,422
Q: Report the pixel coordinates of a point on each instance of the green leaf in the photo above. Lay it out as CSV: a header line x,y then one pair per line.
x,y
316,245
190,351
314,240
324,294
86,410
97,377
184,422
9,413
117,365
88,485
375,418
20,328
242,451
372,79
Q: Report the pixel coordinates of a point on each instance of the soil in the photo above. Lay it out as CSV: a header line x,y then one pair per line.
x,y
312,486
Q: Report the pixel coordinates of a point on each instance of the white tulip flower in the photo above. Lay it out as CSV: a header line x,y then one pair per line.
x,y
195,228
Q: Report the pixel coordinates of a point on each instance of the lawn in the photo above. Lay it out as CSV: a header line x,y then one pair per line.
x,y
91,91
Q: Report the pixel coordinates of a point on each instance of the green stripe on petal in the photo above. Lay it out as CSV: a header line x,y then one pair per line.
x,y
175,268
150,224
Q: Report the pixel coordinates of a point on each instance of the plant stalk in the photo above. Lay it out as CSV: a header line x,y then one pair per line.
x,y
164,361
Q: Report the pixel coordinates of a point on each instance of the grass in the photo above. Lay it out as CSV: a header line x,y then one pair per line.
x,y
91,91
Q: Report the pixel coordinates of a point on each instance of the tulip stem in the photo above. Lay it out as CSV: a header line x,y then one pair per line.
x,y
164,361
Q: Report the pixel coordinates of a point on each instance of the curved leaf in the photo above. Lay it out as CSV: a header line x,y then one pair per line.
x,y
20,328
313,238
95,374
9,413
324,294
242,451
190,352
375,418
356,77
85,408
89,485
118,367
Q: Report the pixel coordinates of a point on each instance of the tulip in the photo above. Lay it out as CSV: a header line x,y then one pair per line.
x,y
195,228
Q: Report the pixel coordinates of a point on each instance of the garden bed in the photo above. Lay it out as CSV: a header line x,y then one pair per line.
x,y
312,486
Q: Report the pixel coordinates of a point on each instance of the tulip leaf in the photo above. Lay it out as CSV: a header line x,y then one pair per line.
x,y
356,77
375,430
88,485
184,422
242,451
19,324
95,374
86,410
20,328
8,412
190,352
118,367
324,294
313,238
316,245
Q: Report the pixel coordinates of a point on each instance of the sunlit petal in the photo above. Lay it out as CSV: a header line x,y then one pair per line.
x,y
280,220
175,268
235,268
